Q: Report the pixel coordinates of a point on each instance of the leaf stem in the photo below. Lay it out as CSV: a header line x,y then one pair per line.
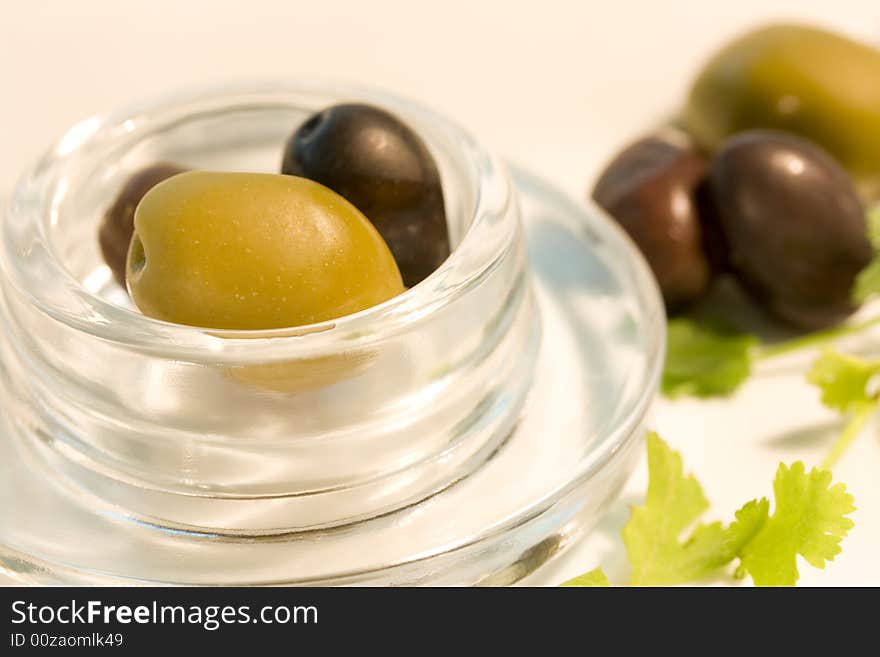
x,y
850,432
812,340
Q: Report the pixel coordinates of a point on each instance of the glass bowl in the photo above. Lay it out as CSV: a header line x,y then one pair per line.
x,y
464,432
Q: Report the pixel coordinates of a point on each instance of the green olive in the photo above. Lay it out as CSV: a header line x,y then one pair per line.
x,y
815,83
295,376
254,251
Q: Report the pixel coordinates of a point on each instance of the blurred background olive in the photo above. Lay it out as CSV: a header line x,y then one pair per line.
x,y
652,188
819,84
384,168
794,224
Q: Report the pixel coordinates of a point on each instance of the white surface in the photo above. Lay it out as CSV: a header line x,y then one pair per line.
x,y
554,85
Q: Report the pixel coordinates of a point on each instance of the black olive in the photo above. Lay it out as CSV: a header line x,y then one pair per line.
x,y
117,227
383,168
794,223
653,188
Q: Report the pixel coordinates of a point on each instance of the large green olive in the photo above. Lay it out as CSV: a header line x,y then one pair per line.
x,y
384,168
794,224
651,189
805,80
254,251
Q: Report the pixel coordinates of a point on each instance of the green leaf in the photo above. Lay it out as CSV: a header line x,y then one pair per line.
x,y
653,535
593,578
809,520
704,360
873,220
750,519
843,379
868,281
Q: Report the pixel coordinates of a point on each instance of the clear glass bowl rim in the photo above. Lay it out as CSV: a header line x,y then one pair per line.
x,y
130,329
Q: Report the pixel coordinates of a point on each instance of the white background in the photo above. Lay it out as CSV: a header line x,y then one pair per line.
x,y
555,86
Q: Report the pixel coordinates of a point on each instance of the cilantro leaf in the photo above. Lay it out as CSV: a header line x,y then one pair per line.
x,y
704,360
868,281
750,519
593,578
809,520
874,226
846,386
843,379
674,502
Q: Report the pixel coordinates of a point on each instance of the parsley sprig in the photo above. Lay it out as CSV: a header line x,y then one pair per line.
x,y
713,359
667,544
848,385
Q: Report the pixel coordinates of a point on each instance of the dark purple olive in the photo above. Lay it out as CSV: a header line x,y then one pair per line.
x,y
117,227
794,223
651,189
385,170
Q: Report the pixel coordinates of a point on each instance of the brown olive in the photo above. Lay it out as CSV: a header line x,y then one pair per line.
x,y
117,227
794,224
383,168
651,189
